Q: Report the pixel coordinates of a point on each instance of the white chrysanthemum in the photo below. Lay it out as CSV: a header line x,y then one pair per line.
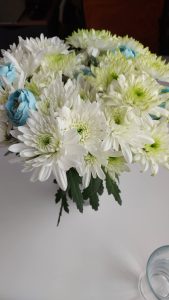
x,y
92,40
57,94
28,54
92,166
116,165
141,92
23,60
43,45
89,122
157,153
46,149
125,131
85,88
39,81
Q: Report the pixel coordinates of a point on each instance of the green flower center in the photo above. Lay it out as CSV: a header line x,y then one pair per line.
x,y
110,77
44,106
90,159
153,147
112,161
47,143
118,119
44,140
82,130
114,76
139,92
117,116
140,97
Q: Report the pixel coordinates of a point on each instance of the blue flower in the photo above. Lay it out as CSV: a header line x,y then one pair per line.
x,y
128,52
18,105
87,71
7,71
165,90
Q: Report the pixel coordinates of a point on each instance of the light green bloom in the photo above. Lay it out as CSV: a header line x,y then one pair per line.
x,y
67,64
31,86
130,47
141,92
124,131
116,165
156,153
153,65
84,38
111,66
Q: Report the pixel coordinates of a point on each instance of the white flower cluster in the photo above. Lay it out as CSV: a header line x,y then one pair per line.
x,y
95,103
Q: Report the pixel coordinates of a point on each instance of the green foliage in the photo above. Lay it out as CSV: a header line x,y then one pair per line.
x,y
74,181
112,188
61,196
91,192
73,191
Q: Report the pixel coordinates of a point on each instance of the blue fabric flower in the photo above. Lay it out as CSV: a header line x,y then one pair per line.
x,y
165,90
7,71
87,71
128,52
18,105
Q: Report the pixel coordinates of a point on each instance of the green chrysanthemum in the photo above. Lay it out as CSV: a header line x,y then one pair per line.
x,y
111,66
129,47
84,38
60,62
141,92
157,153
116,165
32,86
153,65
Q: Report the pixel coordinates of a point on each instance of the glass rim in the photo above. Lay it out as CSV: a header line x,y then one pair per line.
x,y
159,249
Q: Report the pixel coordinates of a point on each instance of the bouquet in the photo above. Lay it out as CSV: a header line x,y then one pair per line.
x,y
84,110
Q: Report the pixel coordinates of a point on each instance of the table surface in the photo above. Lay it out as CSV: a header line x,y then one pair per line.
x,y
90,256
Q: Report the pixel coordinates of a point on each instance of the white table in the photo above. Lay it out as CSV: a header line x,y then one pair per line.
x,y
94,256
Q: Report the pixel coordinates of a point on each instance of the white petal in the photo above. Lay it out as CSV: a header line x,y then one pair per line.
x,y
24,129
44,173
17,147
107,143
60,176
35,175
100,172
127,153
86,178
27,152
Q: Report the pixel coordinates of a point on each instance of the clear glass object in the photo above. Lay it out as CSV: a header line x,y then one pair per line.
x,y
154,284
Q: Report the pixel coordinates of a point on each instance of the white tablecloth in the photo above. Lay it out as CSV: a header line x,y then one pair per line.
x,y
90,256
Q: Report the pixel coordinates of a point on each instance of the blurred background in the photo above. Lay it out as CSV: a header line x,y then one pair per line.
x,y
145,20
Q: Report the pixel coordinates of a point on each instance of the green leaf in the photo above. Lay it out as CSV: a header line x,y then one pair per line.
x,y
74,180
65,204
91,192
101,188
112,188
61,196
